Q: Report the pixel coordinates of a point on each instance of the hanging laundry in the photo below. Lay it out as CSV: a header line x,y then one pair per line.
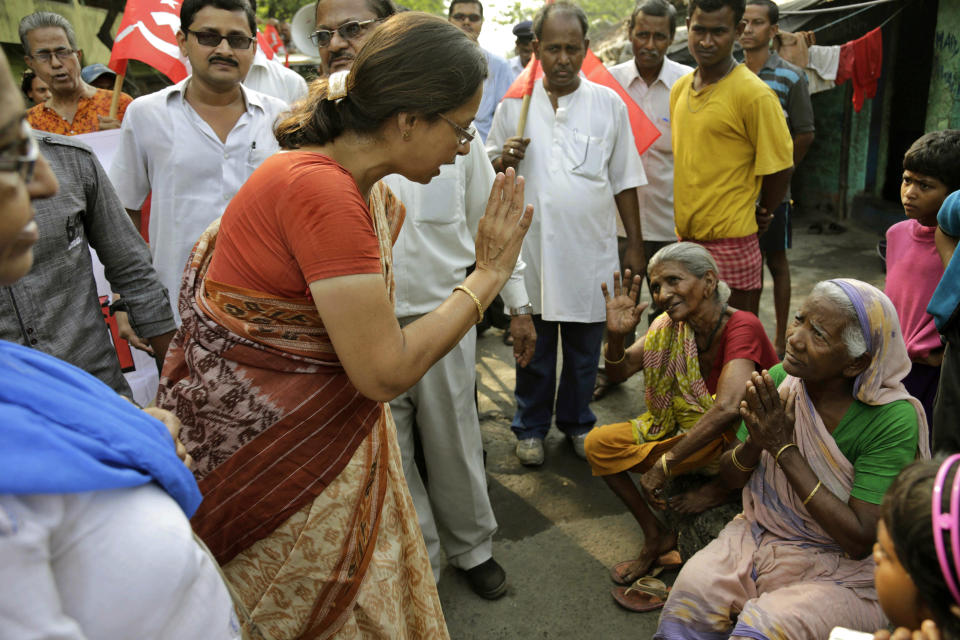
x,y
822,68
861,62
792,47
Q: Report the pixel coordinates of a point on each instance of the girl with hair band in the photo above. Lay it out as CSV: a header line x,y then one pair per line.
x,y
290,349
918,552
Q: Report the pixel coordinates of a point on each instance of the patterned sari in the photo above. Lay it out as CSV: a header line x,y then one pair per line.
x,y
305,503
774,573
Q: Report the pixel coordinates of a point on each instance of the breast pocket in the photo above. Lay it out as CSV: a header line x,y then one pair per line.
x,y
585,155
439,201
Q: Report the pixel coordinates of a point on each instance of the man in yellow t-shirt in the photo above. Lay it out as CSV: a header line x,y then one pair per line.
x,y
733,154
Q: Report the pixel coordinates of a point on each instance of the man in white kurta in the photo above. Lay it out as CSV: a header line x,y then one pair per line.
x,y
430,258
269,76
168,149
582,169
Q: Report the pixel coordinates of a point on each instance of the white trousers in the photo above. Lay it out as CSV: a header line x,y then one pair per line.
x,y
455,512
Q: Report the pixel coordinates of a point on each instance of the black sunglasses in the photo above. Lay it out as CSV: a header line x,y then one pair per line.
x,y
211,39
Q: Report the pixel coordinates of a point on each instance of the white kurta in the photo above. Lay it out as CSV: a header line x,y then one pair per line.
x,y
577,160
656,198
269,76
166,148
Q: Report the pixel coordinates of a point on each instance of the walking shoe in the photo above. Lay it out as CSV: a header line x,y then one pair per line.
x,y
577,442
530,452
488,579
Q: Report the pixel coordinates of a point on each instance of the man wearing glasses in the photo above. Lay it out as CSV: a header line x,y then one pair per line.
x,y
468,16
194,144
431,256
74,106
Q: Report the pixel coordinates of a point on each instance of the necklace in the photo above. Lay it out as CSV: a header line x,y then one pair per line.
x,y
710,86
716,328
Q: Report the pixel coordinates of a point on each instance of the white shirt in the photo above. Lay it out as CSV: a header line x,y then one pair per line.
x,y
499,79
578,159
656,198
437,241
272,78
166,148
515,67
109,565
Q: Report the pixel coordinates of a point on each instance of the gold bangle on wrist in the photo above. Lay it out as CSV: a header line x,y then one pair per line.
x,y
776,458
608,360
476,301
663,463
736,463
812,493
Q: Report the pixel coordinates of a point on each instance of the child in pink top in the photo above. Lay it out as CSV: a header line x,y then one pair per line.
x,y
931,170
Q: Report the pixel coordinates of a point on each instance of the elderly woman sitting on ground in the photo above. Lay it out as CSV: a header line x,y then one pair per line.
x,y
696,357
816,458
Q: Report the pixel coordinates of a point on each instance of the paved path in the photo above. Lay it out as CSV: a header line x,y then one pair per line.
x,y
560,528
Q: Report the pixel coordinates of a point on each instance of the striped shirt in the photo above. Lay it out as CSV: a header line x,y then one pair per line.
x,y
790,84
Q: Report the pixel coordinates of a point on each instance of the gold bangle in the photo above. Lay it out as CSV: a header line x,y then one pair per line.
x,y
663,463
815,489
736,463
608,360
476,300
776,458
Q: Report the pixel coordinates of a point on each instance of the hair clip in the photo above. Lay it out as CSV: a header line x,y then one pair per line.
x,y
947,522
337,85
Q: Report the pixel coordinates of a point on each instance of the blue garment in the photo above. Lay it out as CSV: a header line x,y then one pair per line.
x,y
64,431
537,389
946,297
499,79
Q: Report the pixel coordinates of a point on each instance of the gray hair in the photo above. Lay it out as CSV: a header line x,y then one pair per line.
x,y
852,335
42,19
694,259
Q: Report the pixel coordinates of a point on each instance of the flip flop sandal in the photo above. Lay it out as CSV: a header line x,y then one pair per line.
x,y
833,229
667,561
646,594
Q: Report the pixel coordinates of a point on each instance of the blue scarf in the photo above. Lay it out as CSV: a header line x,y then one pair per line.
x,y
946,298
64,431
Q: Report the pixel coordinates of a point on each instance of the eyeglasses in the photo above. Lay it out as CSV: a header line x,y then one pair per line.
x,y
465,17
28,152
463,135
213,39
45,56
348,31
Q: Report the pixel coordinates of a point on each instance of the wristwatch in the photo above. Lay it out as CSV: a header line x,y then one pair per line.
x,y
525,310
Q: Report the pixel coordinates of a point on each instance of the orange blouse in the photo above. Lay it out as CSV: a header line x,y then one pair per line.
x,y
43,118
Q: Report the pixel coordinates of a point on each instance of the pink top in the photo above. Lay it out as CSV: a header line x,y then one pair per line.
x,y
913,272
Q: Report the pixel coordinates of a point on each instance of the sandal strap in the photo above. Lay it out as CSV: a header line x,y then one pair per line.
x,y
650,586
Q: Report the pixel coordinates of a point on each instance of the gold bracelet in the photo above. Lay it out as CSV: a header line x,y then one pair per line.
x,y
608,360
815,489
736,463
476,300
776,458
663,463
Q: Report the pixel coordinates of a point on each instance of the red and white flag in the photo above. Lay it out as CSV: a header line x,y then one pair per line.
x,y
148,33
644,131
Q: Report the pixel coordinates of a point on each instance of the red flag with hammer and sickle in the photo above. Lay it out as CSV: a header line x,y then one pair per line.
x,y
148,33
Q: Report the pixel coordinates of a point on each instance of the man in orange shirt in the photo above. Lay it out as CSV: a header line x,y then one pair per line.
x,y
74,106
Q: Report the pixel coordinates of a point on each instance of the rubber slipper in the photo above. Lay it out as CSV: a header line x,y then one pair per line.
x,y
667,561
816,227
833,229
646,594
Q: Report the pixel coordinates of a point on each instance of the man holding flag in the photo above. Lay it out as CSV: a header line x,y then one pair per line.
x,y
194,144
582,169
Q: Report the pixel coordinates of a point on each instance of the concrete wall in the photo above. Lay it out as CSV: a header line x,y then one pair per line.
x,y
85,20
943,109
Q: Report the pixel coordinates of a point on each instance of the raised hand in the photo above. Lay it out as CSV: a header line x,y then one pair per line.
x,y
768,415
503,225
623,310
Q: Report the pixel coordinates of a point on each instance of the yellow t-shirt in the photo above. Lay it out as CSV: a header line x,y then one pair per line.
x,y
726,137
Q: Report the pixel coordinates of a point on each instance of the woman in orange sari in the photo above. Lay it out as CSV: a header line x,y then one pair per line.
x,y
290,349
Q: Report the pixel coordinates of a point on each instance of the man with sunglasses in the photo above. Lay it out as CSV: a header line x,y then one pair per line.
x,y
74,106
431,257
194,144
467,15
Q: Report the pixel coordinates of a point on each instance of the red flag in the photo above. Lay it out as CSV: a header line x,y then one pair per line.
x,y
644,131
274,41
264,43
148,33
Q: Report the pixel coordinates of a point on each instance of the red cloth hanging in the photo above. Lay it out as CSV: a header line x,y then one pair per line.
x,y
861,62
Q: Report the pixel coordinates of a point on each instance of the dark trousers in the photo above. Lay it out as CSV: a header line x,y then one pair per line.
x,y
946,407
537,390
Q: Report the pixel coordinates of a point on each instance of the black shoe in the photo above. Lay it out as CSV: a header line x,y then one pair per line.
x,y
488,579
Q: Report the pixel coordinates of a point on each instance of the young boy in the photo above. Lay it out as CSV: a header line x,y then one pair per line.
x,y
931,171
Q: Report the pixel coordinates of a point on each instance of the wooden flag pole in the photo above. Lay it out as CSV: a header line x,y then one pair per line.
x,y
115,102
524,109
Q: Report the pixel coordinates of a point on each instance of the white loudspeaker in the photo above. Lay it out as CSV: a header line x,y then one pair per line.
x,y
302,25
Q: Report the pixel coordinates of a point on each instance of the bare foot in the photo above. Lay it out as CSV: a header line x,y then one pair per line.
x,y
652,549
706,497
